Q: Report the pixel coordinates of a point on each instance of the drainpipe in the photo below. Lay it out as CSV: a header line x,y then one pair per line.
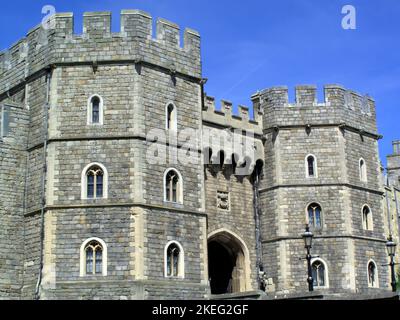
x,y
259,264
43,182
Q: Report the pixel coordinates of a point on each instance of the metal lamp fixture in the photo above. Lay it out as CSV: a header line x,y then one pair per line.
x,y
391,250
307,237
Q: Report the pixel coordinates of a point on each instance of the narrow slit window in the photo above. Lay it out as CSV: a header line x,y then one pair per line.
x,y
171,119
311,166
367,218
363,171
95,110
372,275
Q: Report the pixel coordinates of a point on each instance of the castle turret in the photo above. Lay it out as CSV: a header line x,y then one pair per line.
x,y
321,169
86,107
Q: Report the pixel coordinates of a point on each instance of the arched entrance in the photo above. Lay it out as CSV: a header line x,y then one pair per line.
x,y
228,263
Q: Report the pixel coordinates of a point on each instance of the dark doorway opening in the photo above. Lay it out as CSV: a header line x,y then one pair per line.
x,y
221,263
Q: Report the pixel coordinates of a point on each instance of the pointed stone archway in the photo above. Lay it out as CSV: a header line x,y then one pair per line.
x,y
228,263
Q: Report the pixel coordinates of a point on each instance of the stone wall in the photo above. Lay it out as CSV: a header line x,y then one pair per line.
x,y
53,73
239,218
13,159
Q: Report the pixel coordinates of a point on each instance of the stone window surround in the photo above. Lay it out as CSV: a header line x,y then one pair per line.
x,y
179,186
174,121
82,270
370,218
89,111
321,216
326,286
315,166
84,180
363,170
376,285
181,262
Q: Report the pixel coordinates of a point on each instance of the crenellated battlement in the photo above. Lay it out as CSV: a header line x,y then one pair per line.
x,y
225,117
306,96
340,105
134,23
56,43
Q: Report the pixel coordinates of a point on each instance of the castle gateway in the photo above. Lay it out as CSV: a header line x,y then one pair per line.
x,y
86,213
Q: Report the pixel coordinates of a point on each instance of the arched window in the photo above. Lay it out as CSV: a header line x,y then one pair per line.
x,y
93,257
367,218
173,186
314,216
174,260
319,274
95,110
94,182
171,117
311,166
363,170
372,275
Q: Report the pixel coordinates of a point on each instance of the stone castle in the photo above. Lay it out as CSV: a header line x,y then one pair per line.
x,y
84,215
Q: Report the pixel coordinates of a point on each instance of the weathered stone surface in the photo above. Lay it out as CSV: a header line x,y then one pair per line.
x,y
46,82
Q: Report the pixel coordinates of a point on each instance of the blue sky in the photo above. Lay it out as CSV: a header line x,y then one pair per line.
x,y
251,45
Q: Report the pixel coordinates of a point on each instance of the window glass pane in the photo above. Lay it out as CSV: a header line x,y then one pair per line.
x,y
318,217
314,275
362,171
173,260
169,273
89,260
95,116
99,186
95,110
174,199
366,217
168,191
321,274
311,216
90,186
310,166
318,274
99,256
171,186
371,273
174,188
169,116
176,261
